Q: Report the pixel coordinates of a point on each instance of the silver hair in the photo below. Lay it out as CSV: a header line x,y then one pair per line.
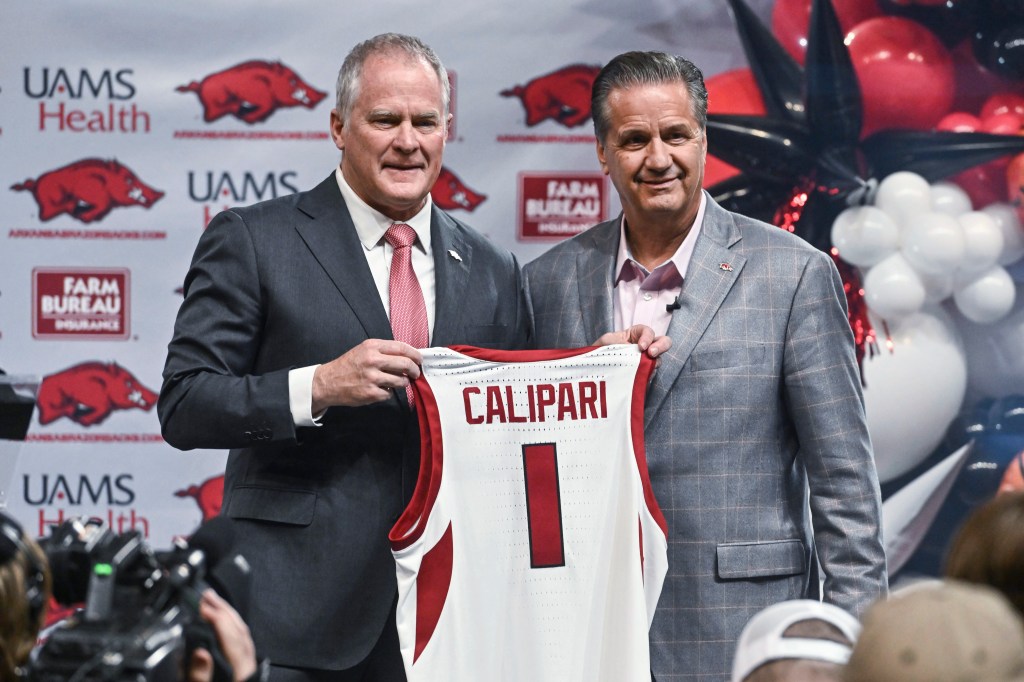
x,y
349,76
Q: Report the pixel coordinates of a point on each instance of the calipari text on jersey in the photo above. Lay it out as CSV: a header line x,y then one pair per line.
x,y
533,548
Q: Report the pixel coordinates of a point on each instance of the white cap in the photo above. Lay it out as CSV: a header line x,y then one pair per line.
x,y
761,640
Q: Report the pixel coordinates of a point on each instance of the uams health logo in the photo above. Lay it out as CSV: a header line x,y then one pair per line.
x,y
252,91
108,497
562,96
90,392
83,303
557,205
226,189
62,91
88,190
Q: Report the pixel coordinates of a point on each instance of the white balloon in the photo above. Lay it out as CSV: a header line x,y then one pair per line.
x,y
892,289
902,195
914,389
1009,224
937,287
995,361
933,243
864,235
948,198
983,242
987,297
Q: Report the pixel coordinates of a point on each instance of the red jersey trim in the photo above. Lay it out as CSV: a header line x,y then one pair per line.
x,y
643,374
410,525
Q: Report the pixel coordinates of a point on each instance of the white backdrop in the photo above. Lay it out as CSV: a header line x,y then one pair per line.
x,y
109,97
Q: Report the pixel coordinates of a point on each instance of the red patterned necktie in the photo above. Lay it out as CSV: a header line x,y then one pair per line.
x,y
408,311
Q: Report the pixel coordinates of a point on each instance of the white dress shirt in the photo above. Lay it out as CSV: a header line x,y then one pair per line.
x,y
371,225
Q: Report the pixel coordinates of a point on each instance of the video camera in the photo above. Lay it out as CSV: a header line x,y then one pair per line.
x,y
141,617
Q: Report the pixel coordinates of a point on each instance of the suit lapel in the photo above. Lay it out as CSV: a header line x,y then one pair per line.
x,y
333,243
453,261
713,270
596,277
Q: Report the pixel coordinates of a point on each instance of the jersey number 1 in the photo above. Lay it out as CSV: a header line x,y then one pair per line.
x,y
543,505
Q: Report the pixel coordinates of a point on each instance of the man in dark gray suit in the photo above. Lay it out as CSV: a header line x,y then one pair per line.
x,y
283,352
755,431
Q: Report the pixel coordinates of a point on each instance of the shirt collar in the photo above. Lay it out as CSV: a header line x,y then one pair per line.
x,y
371,224
664,275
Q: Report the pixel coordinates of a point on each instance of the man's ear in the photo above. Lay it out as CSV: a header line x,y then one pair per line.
x,y
601,157
337,129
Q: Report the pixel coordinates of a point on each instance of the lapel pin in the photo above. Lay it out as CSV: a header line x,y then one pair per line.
x,y
455,254
725,266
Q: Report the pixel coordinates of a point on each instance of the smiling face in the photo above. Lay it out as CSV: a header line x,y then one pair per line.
x,y
393,140
654,153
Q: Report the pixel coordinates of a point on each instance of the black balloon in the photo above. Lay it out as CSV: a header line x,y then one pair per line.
x,y
1000,48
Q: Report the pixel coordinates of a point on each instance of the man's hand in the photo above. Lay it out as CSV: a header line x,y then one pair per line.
x,y
641,335
366,374
233,637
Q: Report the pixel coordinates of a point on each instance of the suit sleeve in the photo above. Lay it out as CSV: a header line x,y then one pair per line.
x,y
211,397
822,387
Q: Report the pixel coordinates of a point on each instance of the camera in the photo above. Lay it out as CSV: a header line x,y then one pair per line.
x,y
140,620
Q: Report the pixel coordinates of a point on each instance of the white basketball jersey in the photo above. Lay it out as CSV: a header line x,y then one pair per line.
x,y
533,549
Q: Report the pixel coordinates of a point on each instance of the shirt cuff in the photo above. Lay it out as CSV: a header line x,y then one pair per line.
x,y
300,396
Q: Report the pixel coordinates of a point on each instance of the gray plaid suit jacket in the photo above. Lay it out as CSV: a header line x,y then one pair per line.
x,y
755,431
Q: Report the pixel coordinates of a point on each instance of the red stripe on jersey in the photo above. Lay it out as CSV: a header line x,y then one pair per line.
x,y
409,526
432,583
637,428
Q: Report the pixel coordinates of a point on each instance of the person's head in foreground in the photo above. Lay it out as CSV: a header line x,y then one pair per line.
x,y
940,631
800,640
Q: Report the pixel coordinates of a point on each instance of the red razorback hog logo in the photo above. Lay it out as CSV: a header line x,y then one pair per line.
x,y
209,495
450,192
252,91
562,95
88,189
89,392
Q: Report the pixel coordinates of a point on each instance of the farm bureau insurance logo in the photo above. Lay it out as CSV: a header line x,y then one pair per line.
x,y
62,91
85,303
559,205
88,190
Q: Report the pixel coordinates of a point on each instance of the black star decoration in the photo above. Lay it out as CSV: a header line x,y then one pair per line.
x,y
808,142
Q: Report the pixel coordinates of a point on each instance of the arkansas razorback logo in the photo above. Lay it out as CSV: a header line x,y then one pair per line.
x,y
87,190
450,192
562,95
252,91
89,392
209,495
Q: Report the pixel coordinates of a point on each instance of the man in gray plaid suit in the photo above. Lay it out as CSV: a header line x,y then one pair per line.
x,y
755,429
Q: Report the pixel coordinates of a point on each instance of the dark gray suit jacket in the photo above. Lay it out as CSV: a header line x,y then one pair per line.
x,y
285,284
758,399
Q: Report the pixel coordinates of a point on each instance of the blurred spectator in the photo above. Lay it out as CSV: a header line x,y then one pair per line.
x,y
24,592
989,547
800,640
942,631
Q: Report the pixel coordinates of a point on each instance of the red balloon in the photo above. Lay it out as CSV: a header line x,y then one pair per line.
x,y
959,122
1015,184
790,19
1002,103
730,92
905,74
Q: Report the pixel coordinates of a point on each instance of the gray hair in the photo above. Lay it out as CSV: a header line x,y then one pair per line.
x,y
632,69
385,44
